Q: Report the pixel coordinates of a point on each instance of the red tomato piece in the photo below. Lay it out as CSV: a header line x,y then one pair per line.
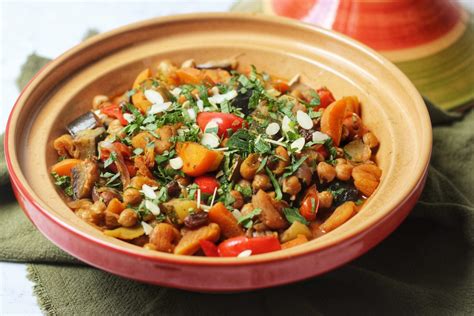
x,y
207,184
224,121
325,97
232,247
209,249
264,244
309,206
114,110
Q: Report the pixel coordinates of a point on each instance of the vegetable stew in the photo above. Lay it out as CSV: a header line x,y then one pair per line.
x,y
205,159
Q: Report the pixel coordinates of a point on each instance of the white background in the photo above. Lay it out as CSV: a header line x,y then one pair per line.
x,y
50,28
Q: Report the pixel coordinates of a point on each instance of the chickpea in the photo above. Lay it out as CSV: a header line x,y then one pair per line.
x,y
249,166
164,236
291,185
344,171
283,160
244,184
128,218
98,207
238,199
370,140
325,199
131,196
98,100
91,216
261,182
111,220
326,172
246,209
115,128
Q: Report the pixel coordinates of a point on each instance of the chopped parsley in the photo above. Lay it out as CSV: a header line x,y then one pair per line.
x,y
293,215
64,182
275,184
247,220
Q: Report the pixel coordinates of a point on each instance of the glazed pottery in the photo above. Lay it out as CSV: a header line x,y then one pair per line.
x,y
108,63
431,41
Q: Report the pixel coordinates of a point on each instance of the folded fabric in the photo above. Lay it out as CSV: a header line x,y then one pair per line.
x,y
424,267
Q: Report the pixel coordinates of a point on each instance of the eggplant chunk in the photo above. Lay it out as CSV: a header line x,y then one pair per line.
x,y
242,100
226,64
270,215
84,122
84,176
86,142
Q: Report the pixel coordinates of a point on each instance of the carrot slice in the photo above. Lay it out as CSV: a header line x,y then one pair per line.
x,y
138,99
220,215
189,75
64,167
197,159
332,119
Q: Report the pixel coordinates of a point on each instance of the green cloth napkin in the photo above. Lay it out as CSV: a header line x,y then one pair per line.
x,y
424,267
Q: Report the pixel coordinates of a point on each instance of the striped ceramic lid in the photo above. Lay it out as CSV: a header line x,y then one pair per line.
x,y
432,41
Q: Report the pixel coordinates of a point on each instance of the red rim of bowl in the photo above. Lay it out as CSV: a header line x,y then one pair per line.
x,y
196,261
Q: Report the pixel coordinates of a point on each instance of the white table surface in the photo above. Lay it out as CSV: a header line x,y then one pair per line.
x,y
50,28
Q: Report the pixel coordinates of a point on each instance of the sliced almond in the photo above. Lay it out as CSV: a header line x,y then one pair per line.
x,y
304,120
154,96
298,144
176,163
272,129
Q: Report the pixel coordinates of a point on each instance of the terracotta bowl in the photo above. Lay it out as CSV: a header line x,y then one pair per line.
x,y
108,63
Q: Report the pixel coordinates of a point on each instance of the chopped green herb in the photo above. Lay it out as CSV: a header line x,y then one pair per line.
x,y
293,215
110,182
64,182
315,101
246,220
262,164
241,141
294,167
245,190
112,158
275,183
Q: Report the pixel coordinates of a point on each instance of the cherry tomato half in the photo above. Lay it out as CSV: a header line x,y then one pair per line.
x,y
207,184
325,97
224,121
232,247
114,110
209,249
310,204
